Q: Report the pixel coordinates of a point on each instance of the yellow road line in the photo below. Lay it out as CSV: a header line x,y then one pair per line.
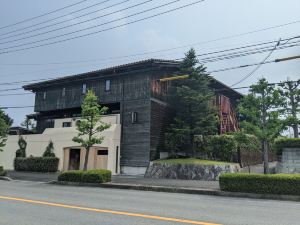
x,y
107,211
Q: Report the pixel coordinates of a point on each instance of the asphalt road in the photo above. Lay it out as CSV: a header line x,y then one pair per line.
x,y
32,203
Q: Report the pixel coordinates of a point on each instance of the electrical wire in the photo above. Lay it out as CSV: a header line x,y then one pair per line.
x,y
92,27
258,66
78,23
49,20
44,14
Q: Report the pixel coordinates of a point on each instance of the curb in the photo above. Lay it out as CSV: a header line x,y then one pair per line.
x,y
182,190
5,178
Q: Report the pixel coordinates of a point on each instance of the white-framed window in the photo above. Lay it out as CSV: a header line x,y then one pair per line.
x,y
84,89
134,117
107,85
63,93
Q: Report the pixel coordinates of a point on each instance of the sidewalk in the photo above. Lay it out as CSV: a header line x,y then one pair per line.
x,y
140,180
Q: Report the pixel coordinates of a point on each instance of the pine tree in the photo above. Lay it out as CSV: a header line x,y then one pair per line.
x,y
21,152
191,101
49,150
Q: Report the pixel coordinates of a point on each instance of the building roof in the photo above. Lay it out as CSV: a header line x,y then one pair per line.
x,y
129,67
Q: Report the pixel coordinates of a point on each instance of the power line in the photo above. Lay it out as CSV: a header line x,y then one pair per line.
x,y
222,38
246,53
258,66
17,107
214,71
98,25
49,20
254,64
42,15
75,24
16,94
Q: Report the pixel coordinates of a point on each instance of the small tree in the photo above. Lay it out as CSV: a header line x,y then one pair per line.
x,y
291,93
49,150
28,124
9,121
3,132
191,101
90,124
21,152
260,111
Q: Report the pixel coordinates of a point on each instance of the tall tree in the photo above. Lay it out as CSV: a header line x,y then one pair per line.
x,y
191,100
291,92
90,124
260,112
3,130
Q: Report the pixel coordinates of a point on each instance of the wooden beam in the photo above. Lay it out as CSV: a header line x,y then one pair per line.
x,y
181,77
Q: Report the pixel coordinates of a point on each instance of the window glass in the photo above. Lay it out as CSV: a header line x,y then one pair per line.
x,y
63,92
84,89
134,117
66,124
107,85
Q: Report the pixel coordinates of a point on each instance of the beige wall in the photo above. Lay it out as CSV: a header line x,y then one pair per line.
x,y
62,138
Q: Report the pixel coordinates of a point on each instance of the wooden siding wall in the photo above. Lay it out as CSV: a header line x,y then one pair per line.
x,y
160,116
135,143
135,87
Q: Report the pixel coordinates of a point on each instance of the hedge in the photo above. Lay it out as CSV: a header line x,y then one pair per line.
x,y
286,143
36,164
90,176
2,172
282,184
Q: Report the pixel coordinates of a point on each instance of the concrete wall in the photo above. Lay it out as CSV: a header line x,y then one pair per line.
x,y
62,138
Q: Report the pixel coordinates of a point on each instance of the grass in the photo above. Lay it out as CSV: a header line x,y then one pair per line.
x,y
193,161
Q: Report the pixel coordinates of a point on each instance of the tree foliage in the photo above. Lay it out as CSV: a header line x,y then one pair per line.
x,y
3,130
28,124
191,100
261,115
49,150
90,124
21,152
9,121
291,92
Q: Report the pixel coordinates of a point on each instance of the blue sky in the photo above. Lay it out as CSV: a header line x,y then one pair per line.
x,y
205,21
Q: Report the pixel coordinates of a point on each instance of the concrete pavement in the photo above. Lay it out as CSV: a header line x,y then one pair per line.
x,y
197,208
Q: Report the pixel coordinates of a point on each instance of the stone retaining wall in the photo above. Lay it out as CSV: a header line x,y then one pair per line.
x,y
189,171
290,161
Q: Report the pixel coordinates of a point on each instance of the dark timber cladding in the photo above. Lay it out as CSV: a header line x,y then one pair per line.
x,y
131,90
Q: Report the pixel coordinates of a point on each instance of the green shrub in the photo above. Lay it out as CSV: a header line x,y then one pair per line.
x,y
36,164
96,176
283,184
2,172
286,143
49,150
220,147
71,176
90,176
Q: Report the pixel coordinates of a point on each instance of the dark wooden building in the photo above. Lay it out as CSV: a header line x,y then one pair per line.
x,y
133,91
